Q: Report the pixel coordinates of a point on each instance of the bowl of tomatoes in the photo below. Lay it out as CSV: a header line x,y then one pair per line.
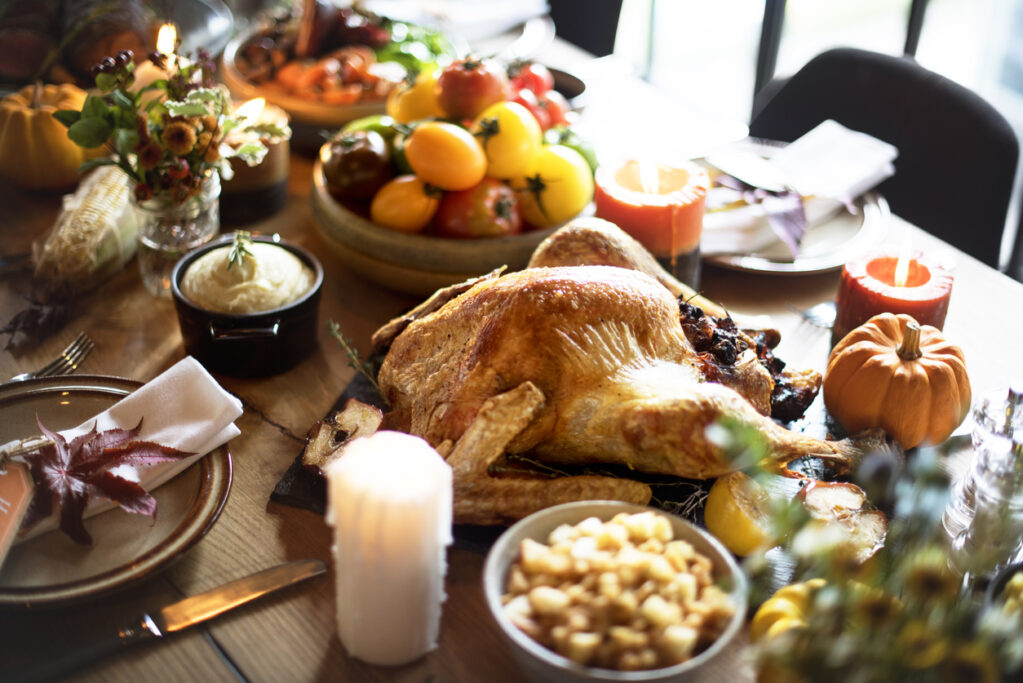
x,y
459,178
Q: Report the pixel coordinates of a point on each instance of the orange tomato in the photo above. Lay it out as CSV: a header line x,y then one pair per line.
x,y
406,204
445,155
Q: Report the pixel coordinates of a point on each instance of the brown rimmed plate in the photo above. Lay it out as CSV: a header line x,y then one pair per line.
x,y
51,569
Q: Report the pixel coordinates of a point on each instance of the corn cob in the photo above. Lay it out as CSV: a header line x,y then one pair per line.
x,y
94,236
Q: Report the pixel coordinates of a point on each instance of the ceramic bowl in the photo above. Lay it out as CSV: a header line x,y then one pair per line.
x,y
413,264
255,344
537,661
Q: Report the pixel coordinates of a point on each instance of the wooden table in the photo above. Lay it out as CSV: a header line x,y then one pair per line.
x,y
291,636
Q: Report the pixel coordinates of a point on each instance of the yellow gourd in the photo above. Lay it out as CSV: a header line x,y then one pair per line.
x,y
892,373
35,151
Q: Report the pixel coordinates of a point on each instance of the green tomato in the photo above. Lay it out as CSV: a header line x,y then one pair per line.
x,y
562,134
378,123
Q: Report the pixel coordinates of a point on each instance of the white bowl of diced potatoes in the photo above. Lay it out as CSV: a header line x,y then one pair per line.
x,y
608,591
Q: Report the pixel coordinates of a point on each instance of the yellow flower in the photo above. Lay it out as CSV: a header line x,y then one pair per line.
x,y
208,146
178,137
874,607
920,646
928,577
972,662
212,154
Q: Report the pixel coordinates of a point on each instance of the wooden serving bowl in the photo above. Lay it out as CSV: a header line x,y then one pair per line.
x,y
412,263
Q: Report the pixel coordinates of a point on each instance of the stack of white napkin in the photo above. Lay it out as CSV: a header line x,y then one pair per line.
x,y
830,166
183,408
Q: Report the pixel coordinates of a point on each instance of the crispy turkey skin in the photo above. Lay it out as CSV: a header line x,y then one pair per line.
x,y
620,382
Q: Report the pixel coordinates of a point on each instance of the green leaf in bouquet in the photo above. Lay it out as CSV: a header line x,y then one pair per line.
x,y
122,100
251,153
268,130
95,107
125,140
67,116
106,82
90,132
90,164
178,108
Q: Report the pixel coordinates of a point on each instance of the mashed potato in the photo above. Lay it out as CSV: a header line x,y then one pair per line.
x,y
270,278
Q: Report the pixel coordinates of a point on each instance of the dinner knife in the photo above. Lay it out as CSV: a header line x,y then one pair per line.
x,y
176,617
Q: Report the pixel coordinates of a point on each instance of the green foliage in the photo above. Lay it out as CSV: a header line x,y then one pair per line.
x,y
904,614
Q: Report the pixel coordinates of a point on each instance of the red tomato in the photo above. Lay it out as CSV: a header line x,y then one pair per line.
x,y
531,76
468,86
556,106
489,209
527,98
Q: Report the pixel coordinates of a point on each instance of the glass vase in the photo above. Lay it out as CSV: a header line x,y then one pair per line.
x,y
168,230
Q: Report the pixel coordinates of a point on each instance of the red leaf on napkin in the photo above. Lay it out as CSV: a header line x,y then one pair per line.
x,y
73,472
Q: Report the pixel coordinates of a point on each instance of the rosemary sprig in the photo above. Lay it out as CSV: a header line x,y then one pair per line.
x,y
353,356
239,248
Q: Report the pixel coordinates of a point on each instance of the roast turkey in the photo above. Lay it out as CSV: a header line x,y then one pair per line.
x,y
572,365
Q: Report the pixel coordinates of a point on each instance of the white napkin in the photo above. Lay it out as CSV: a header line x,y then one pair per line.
x,y
183,408
830,166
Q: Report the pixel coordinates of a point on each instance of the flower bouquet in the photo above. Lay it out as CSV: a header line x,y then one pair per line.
x,y
173,137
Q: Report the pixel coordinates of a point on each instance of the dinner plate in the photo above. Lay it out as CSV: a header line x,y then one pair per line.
x,y
51,569
301,110
826,246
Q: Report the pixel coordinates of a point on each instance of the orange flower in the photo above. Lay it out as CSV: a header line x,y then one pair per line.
x,y
150,155
178,137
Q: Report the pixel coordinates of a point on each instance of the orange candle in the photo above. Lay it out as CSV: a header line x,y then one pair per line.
x,y
660,205
890,284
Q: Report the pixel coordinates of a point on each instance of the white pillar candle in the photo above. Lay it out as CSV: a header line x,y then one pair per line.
x,y
389,499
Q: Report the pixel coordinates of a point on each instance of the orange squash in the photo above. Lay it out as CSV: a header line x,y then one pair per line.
x,y
35,151
892,373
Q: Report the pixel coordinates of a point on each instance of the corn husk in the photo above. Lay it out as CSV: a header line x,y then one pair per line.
x,y
93,238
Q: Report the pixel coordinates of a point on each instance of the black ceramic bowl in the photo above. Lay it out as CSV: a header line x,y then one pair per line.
x,y
255,344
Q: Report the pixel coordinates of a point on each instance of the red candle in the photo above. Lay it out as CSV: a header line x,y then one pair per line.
x,y
879,285
661,206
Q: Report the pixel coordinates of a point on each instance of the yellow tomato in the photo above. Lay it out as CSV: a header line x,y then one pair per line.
x,y
413,101
556,186
445,155
510,136
406,204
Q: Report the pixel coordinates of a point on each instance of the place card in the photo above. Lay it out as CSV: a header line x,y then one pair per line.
x,y
15,495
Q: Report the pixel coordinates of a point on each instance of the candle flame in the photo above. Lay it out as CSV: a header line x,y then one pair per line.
x,y
902,265
649,178
251,110
167,39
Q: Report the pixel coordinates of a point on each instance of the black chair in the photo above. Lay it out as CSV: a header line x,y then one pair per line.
x,y
589,24
957,154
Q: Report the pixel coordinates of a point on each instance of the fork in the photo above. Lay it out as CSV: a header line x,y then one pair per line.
x,y
822,315
64,364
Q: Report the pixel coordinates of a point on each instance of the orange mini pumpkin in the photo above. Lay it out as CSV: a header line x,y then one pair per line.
x,y
892,373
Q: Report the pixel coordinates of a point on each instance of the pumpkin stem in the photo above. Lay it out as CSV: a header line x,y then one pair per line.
x,y
910,348
37,94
